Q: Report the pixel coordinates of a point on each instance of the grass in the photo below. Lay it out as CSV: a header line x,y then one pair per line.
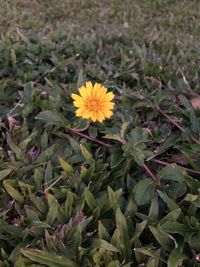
x,y
121,193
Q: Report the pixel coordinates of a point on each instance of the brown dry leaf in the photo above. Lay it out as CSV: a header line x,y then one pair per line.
x,y
196,102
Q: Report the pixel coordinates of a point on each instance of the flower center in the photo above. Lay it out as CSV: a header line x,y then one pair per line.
x,y
92,104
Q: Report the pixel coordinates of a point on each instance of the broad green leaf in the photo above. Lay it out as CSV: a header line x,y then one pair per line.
x,y
13,192
150,253
100,243
114,264
102,232
52,213
162,238
90,200
20,262
52,118
86,154
114,197
66,166
154,209
48,259
175,227
5,173
152,262
124,235
172,172
144,191
170,203
176,257
172,216
138,230
48,172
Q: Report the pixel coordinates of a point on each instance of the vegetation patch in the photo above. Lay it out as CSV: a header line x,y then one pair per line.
x,y
117,191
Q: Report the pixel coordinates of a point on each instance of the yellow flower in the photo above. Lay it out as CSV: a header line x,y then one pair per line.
x,y
93,102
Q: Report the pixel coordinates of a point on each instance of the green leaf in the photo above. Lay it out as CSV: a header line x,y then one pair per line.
x,y
175,227
48,259
172,216
52,213
113,136
172,172
52,118
68,205
114,264
48,172
100,243
114,197
154,209
152,262
150,253
144,191
102,231
161,237
20,262
80,77
176,257
90,200
5,173
124,235
170,203
86,154
13,192
68,169
138,230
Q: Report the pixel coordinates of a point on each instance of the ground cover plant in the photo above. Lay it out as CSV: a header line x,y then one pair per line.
x,y
120,192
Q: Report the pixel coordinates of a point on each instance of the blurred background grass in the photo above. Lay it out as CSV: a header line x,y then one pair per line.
x,y
145,21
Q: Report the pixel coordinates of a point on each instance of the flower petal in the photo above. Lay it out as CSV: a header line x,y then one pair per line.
x,y
94,116
107,113
84,92
78,104
89,86
108,97
96,89
76,97
86,114
108,105
79,112
101,93
100,116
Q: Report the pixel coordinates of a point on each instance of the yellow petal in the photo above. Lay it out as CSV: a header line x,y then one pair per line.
x,y
107,113
94,116
79,112
86,114
84,92
96,89
101,92
76,97
89,86
100,116
78,104
108,105
108,97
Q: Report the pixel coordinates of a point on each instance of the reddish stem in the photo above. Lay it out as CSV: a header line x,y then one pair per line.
x,y
175,123
72,130
160,162
149,172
